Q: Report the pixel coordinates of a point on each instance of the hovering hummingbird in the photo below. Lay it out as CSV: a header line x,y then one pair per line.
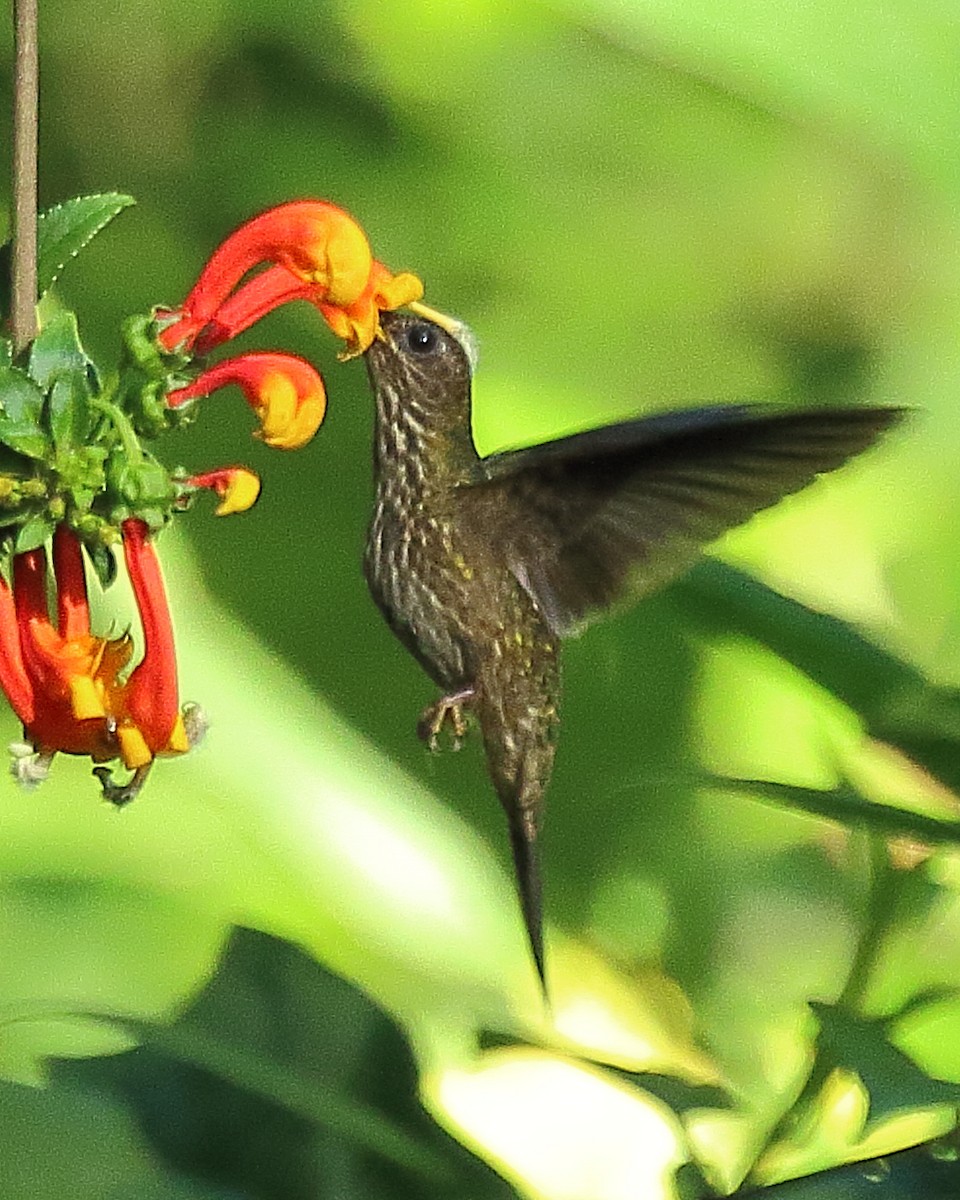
x,y
482,566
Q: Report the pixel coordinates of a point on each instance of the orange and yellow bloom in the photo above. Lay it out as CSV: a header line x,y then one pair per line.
x,y
285,392
237,487
316,252
83,480
313,241
308,250
70,687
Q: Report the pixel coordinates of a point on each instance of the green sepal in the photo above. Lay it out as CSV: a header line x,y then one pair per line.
x,y
148,410
81,475
35,531
21,414
64,230
104,564
146,375
138,486
140,349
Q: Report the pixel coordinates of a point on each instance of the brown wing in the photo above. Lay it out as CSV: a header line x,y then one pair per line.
x,y
583,519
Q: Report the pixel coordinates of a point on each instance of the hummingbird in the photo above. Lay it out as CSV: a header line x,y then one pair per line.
x,y
483,565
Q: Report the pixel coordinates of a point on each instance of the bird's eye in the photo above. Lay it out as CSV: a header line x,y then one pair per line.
x,y
422,338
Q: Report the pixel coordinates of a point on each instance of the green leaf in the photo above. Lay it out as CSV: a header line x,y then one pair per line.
x,y
897,704
681,1095
57,351
69,410
894,1082
35,531
927,1172
63,1141
21,411
282,1080
64,230
845,805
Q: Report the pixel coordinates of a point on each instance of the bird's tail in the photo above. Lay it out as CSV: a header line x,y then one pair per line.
x,y
526,865
520,760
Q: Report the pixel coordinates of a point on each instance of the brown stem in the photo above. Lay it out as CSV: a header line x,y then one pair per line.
x,y
23,315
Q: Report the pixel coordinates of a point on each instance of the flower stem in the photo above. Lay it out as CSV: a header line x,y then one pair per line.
x,y
881,903
882,896
23,311
123,425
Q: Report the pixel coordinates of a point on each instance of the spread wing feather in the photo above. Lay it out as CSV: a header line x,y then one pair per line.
x,y
585,519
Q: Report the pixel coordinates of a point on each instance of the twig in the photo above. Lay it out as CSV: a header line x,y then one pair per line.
x,y
23,317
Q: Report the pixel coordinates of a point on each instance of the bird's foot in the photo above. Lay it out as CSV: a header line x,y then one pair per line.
x,y
448,710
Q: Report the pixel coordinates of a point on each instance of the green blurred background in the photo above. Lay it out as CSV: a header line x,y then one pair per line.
x,y
637,207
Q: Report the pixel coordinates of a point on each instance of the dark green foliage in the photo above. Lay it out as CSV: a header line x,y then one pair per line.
x,y
281,1082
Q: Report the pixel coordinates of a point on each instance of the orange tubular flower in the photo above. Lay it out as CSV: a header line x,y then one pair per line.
x,y
65,683
259,296
316,253
357,323
315,241
284,391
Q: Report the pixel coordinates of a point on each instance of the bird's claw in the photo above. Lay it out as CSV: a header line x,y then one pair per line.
x,y
448,710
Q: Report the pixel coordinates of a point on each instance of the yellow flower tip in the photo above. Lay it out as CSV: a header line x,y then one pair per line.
x,y
237,487
86,699
298,431
290,407
178,742
275,405
358,324
239,491
134,750
399,291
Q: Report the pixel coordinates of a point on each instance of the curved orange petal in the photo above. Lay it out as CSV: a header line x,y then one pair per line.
x,y
152,697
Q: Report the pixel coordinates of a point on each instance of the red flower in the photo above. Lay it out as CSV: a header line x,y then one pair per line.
x,y
67,685
317,253
284,391
315,241
357,323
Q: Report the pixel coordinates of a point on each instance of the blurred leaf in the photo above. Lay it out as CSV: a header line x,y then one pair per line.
x,y
680,1095
926,998
22,410
282,1080
895,701
64,230
928,1172
63,1141
894,1082
677,1094
845,805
